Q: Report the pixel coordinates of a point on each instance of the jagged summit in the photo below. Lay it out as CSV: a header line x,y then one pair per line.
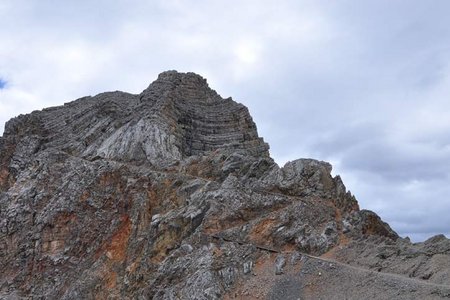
x,y
171,194
175,76
179,78
187,86
177,116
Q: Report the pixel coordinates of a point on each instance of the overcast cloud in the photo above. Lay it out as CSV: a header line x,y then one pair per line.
x,y
362,84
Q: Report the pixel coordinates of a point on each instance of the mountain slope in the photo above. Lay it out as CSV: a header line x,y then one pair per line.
x,y
171,194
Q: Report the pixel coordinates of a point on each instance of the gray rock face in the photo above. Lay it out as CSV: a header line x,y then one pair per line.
x,y
177,116
171,194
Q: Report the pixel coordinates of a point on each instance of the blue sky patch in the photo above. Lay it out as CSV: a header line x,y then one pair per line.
x,y
2,83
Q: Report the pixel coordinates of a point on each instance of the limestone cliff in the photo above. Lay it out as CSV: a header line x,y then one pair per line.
x,y
171,194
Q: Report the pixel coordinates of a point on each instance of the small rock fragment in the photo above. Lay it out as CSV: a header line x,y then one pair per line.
x,y
280,262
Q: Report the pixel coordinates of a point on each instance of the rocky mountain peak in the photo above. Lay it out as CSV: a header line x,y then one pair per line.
x,y
172,194
182,86
176,77
177,116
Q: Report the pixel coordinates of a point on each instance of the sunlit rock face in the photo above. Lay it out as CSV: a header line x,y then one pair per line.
x,y
171,194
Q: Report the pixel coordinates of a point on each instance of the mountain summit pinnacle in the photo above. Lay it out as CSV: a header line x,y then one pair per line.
x,y
190,86
175,76
171,194
177,116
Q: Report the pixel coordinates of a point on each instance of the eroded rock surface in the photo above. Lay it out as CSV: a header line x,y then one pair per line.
x,y
171,194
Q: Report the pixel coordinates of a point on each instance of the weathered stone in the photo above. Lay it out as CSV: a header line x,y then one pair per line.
x,y
280,262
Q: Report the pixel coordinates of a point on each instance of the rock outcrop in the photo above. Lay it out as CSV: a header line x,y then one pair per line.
x,y
171,194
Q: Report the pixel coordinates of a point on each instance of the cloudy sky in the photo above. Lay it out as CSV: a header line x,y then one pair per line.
x,y
362,84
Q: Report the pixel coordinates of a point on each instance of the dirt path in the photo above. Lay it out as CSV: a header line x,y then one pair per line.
x,y
332,261
392,275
